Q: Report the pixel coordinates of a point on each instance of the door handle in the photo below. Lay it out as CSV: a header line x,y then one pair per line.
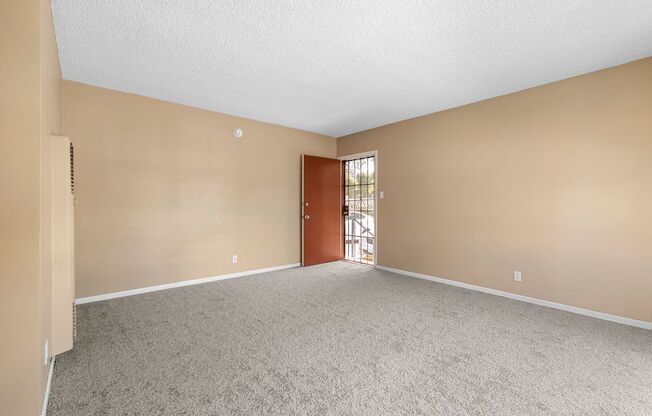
x,y
306,217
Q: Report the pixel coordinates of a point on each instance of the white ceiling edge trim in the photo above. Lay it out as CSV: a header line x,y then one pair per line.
x,y
389,123
570,77
190,105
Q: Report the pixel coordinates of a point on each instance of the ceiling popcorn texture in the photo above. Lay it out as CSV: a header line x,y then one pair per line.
x,y
340,67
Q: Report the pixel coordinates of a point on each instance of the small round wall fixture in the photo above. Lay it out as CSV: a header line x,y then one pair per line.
x,y
238,133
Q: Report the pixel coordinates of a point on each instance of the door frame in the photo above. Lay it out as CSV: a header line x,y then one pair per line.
x,y
302,211
360,155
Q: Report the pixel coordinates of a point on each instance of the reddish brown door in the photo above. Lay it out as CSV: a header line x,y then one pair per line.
x,y
322,226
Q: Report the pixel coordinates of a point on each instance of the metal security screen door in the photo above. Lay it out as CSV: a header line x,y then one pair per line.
x,y
360,209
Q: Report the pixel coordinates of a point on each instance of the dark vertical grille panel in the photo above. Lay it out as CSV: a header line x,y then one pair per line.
x,y
72,169
74,321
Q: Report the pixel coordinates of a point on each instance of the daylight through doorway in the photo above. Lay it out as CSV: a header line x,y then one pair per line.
x,y
360,209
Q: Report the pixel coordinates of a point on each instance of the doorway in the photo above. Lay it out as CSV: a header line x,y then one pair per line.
x,y
359,208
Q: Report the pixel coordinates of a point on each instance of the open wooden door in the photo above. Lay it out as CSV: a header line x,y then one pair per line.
x,y
321,210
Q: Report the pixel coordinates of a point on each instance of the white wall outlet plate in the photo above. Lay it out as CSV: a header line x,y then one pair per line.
x,y
45,353
234,259
382,195
517,276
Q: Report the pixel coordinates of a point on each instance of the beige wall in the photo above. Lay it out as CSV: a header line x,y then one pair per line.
x,y
50,123
19,194
166,193
29,103
554,181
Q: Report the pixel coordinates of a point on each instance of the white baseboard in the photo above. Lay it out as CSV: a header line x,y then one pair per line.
x,y
44,409
554,305
132,292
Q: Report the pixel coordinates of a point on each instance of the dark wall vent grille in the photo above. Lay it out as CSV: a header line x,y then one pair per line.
x,y
72,169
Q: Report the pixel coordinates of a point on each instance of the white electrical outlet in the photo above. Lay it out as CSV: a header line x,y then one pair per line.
x,y
45,353
382,194
517,276
234,259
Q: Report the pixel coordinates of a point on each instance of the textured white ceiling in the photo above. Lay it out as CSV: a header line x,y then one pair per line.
x,y
338,67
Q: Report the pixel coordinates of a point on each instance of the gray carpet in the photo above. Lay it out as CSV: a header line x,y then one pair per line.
x,y
342,339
